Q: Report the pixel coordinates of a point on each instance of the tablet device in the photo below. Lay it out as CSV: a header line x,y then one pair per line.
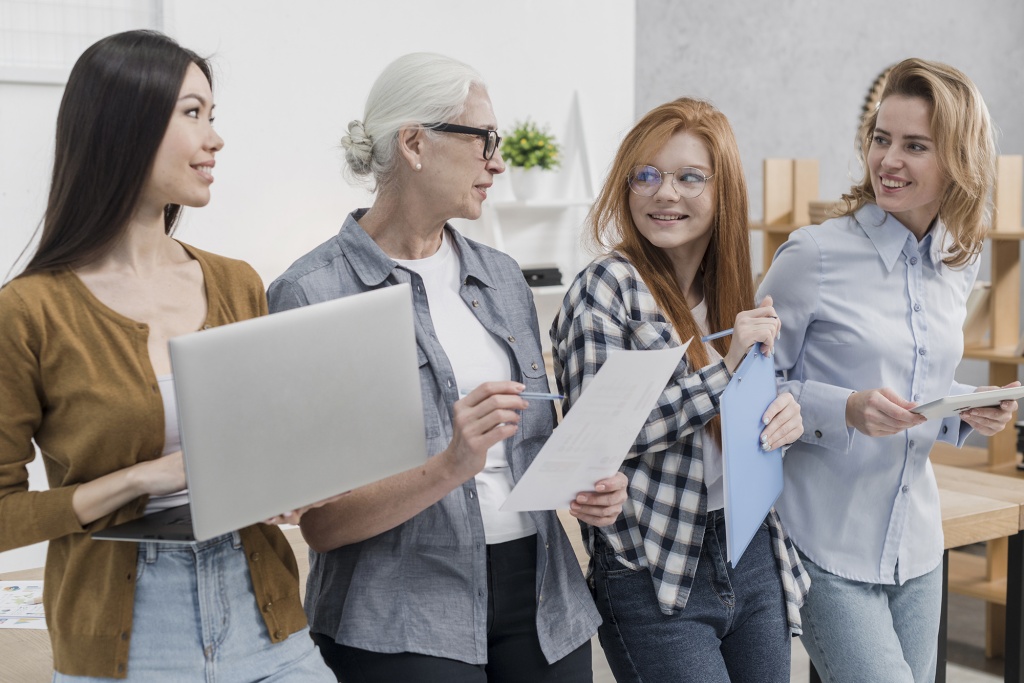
x,y
952,405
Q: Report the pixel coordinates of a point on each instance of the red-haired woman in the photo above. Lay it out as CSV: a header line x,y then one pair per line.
x,y
672,216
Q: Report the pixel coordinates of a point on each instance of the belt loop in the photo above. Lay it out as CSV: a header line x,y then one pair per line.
x,y
236,540
151,552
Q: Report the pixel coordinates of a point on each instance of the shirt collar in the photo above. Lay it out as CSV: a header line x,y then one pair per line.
x,y
372,266
889,236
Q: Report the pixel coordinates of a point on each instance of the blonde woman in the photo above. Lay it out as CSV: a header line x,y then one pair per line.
x,y
872,304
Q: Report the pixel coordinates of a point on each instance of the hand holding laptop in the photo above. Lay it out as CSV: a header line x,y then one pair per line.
x,y
294,516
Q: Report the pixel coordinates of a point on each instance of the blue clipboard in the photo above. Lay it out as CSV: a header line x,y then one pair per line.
x,y
751,477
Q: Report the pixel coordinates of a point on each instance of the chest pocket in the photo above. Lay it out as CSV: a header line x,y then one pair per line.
x,y
647,335
540,417
429,395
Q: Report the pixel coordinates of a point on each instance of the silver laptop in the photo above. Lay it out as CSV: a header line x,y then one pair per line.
x,y
285,410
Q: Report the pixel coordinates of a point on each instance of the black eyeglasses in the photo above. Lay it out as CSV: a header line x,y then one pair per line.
x,y
491,137
688,181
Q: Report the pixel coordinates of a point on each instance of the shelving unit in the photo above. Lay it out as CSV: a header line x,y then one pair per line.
x,y
789,184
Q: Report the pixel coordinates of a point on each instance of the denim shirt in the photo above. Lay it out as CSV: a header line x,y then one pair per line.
x,y
422,586
864,305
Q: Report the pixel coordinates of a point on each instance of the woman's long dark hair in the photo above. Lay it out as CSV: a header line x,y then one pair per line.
x,y
113,116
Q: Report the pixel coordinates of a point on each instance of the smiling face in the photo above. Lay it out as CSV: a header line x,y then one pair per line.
x,y
460,176
183,168
904,164
679,225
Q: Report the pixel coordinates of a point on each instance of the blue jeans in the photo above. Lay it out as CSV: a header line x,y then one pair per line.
x,y
856,631
195,618
733,627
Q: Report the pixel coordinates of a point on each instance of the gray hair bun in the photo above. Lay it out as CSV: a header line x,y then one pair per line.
x,y
358,148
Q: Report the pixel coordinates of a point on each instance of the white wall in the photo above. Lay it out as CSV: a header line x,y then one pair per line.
x,y
290,76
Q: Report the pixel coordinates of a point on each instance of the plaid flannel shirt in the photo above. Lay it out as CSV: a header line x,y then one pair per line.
x,y
661,528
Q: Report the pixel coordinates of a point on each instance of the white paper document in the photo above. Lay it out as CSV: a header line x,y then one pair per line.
x,y
596,435
21,604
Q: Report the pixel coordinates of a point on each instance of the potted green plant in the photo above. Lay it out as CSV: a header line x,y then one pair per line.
x,y
529,151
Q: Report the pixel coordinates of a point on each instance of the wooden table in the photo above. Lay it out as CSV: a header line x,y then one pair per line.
x,y
26,655
982,580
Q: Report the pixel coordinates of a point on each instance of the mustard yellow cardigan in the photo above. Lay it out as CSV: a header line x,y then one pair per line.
x,y
76,378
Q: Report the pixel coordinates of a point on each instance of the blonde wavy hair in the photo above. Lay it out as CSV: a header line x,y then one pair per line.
x,y
965,144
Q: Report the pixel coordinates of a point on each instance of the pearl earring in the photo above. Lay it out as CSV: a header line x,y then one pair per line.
x,y
419,167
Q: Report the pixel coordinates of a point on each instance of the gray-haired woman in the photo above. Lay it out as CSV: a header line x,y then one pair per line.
x,y
421,576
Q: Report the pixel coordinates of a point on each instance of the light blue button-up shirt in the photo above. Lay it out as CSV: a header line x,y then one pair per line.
x,y
864,305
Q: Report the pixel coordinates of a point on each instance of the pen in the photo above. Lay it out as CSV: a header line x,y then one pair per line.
x,y
724,333
539,395
716,335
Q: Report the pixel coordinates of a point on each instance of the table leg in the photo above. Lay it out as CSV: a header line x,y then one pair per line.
x,y
940,664
1013,667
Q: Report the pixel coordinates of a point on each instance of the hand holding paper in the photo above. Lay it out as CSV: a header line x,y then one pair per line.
x,y
595,436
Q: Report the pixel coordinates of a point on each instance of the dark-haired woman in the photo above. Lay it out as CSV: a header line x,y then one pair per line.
x,y
86,376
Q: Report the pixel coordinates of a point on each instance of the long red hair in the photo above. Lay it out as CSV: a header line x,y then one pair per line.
x,y
725,269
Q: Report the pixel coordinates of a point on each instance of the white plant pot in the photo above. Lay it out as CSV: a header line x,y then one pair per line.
x,y
528,185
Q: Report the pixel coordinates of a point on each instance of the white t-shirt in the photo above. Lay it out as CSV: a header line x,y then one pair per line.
x,y
476,357
172,443
712,451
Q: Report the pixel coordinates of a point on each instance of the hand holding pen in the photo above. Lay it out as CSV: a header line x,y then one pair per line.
x,y
760,325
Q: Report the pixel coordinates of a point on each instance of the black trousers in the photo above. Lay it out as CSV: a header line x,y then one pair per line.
x,y
513,649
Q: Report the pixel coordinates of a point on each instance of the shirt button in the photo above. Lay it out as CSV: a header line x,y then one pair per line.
x,y
540,598
906,488
511,339
278,635
817,433
471,494
911,443
921,352
449,384
913,260
419,289
917,397
269,607
533,365
255,557
917,307
945,429
476,304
